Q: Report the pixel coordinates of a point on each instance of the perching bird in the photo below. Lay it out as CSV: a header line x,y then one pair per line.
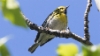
x,y
57,20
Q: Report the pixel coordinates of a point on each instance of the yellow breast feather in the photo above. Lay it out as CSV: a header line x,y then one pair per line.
x,y
62,17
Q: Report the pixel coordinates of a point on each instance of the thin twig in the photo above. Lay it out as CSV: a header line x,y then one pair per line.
x,y
86,21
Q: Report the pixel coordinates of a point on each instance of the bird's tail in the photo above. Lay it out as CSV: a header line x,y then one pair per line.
x,y
33,47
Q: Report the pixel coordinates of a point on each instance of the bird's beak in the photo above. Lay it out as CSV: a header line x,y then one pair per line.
x,y
66,9
67,6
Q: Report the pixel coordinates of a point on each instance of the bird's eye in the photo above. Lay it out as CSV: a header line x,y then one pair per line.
x,y
61,8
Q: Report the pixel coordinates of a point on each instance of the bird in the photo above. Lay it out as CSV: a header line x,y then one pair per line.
x,y
57,20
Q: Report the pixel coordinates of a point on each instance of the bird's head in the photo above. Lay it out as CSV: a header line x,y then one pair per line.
x,y
61,9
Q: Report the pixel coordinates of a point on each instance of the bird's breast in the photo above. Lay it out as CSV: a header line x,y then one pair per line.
x,y
59,22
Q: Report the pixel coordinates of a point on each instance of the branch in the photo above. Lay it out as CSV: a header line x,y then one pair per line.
x,y
86,21
63,34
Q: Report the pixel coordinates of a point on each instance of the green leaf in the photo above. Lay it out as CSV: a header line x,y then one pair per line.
x,y
4,51
67,50
11,12
91,50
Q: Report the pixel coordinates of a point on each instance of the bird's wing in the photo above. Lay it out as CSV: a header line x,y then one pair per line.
x,y
45,24
37,37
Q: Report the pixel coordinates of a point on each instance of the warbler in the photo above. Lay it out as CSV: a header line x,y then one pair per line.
x,y
57,20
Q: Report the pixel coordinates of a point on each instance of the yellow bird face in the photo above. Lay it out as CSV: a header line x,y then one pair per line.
x,y
61,9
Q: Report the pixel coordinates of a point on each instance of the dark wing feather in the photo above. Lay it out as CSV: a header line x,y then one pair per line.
x,y
37,36
43,25
45,22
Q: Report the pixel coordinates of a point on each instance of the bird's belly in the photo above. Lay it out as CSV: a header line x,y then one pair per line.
x,y
57,25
